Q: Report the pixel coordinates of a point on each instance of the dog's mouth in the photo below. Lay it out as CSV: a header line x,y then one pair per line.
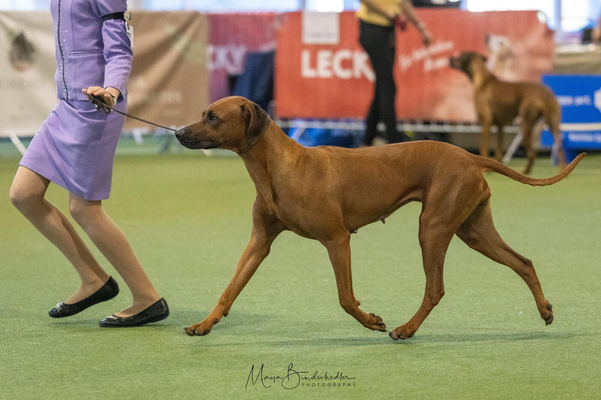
x,y
192,143
197,144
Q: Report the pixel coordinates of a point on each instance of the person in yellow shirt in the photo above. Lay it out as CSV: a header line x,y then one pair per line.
x,y
377,19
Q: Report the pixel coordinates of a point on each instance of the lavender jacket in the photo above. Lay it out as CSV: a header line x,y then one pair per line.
x,y
90,51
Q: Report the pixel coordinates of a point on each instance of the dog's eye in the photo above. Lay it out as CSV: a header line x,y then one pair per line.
x,y
212,118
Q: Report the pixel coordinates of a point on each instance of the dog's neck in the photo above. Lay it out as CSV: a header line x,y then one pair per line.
x,y
483,77
273,149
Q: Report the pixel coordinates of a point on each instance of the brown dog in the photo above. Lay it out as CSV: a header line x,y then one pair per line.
x,y
326,193
500,103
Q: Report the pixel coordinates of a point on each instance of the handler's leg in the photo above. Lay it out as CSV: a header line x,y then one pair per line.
x,y
379,44
27,194
113,244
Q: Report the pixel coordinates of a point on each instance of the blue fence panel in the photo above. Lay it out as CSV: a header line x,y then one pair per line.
x,y
580,99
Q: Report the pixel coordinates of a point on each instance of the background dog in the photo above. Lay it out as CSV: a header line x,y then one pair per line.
x,y
499,103
501,56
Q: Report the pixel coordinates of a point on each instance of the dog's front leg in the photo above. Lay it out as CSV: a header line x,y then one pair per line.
x,y
485,138
527,127
499,148
339,250
263,234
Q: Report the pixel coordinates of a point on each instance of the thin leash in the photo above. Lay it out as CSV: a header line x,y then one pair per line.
x,y
101,105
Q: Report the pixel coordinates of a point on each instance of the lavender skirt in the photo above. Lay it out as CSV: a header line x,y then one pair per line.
x,y
75,148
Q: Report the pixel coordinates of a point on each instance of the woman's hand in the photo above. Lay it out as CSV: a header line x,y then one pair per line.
x,y
400,22
426,35
108,95
409,13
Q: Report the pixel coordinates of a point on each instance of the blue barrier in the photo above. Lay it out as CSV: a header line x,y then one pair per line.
x,y
317,136
580,99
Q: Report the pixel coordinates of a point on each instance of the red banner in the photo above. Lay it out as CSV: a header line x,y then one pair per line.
x,y
232,37
336,81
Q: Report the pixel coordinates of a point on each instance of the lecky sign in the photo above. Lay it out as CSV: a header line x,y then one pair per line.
x,y
227,58
329,75
232,37
343,64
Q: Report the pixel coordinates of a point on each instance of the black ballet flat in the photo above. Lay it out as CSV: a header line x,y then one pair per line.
x,y
156,312
108,291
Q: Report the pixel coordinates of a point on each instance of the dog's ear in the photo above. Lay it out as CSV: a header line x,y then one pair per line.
x,y
256,119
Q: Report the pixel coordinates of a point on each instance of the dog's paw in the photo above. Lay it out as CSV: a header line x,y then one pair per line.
x,y
547,315
375,323
201,329
401,333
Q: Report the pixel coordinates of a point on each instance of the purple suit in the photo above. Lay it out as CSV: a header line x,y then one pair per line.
x,y
75,146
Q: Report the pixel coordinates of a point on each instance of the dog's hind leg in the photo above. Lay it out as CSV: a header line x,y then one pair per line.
x,y
265,229
339,251
478,232
434,238
445,208
530,114
553,120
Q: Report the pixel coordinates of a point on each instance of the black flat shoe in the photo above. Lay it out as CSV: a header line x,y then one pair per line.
x,y
105,293
156,312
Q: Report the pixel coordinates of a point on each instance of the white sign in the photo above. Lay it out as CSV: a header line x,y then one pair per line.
x,y
321,27
27,68
343,64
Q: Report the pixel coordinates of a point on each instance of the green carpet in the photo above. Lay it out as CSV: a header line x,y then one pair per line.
x,y
188,218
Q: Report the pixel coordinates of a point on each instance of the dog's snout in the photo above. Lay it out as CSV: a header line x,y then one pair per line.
x,y
182,132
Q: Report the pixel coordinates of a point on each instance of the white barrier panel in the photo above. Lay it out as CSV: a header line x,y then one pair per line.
x,y
27,88
169,83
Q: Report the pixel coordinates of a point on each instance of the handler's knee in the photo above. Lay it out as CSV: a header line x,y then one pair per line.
x,y
82,211
22,199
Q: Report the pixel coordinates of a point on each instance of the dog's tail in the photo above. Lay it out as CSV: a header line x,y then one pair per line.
x,y
488,164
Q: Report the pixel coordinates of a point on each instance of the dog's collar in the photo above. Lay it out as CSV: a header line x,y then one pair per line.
x,y
250,146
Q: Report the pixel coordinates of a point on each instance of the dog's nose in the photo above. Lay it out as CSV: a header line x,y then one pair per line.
x,y
182,132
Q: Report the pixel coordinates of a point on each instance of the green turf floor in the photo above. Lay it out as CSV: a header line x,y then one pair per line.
x,y
188,218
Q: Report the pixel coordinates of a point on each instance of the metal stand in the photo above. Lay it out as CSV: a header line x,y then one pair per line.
x,y
17,142
513,147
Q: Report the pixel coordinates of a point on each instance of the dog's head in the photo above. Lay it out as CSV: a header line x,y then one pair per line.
x,y
232,123
468,62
